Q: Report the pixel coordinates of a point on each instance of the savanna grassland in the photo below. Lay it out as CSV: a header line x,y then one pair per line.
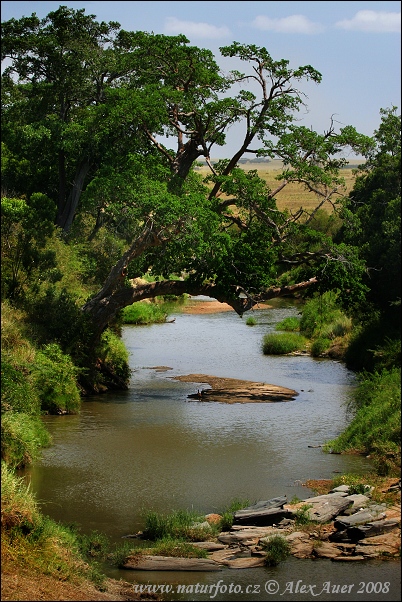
x,y
294,195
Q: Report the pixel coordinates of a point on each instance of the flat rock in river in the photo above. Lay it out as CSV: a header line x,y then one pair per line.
x,y
233,390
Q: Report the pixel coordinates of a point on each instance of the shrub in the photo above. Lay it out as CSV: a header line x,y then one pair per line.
x,y
277,548
251,321
55,379
115,355
290,324
143,312
319,346
318,312
280,344
302,515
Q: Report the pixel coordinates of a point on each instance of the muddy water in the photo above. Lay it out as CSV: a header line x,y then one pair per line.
x,y
152,448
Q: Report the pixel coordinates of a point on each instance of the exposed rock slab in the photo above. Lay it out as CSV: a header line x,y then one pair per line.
x,y
323,507
169,563
233,390
246,563
266,512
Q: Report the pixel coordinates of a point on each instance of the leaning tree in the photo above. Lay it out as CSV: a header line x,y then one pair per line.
x,y
93,111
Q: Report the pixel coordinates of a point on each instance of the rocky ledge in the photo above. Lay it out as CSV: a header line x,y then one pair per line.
x,y
343,527
233,390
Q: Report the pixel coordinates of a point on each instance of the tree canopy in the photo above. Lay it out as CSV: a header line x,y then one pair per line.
x,y
109,125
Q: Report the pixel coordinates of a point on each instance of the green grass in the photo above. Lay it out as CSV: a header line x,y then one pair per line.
x,y
290,324
180,524
277,550
375,427
281,344
251,321
143,312
319,346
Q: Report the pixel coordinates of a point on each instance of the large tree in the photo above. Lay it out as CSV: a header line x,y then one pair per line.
x,y
89,107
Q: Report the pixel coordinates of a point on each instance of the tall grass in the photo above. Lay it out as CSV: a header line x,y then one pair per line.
x,y
180,524
375,426
143,312
281,344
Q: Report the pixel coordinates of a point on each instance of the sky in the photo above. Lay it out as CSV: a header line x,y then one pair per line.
x,y
356,46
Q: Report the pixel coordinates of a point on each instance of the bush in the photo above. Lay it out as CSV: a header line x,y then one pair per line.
x,y
143,312
114,354
55,378
290,324
280,344
319,346
278,549
318,312
251,321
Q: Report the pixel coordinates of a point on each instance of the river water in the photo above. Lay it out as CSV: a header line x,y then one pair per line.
x,y
152,448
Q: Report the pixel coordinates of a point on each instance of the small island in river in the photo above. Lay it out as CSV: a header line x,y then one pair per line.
x,y
233,390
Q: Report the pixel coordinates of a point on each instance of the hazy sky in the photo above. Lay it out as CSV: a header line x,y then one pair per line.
x,y
355,45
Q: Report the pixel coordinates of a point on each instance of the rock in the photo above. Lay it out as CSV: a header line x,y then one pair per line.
x,y
341,488
372,529
388,544
168,563
360,517
359,501
248,535
246,563
327,550
223,556
266,512
348,558
209,545
323,507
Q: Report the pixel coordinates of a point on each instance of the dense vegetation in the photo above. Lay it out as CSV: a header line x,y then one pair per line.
x,y
99,215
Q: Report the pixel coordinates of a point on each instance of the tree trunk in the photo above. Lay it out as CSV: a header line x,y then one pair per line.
x,y
66,216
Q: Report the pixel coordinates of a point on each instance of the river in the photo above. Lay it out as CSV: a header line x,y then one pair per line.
x,y
151,448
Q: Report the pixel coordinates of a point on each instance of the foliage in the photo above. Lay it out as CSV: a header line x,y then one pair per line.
x,y
375,426
372,221
114,354
302,515
56,380
251,321
320,346
281,344
318,312
25,227
290,323
277,550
